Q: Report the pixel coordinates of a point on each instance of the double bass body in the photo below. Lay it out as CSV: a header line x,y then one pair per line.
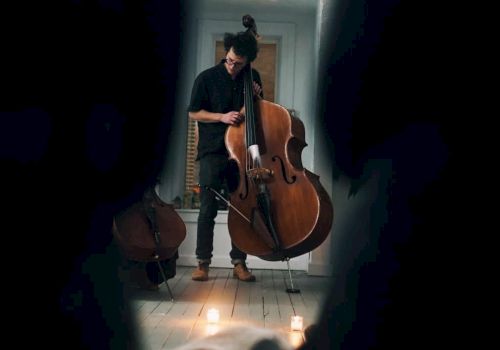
x,y
301,210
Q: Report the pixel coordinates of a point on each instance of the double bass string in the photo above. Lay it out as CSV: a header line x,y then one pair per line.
x,y
251,142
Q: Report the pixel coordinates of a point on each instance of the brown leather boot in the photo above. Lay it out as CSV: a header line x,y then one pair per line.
x,y
200,273
241,272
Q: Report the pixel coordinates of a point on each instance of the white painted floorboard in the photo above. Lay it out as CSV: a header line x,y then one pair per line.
x,y
166,324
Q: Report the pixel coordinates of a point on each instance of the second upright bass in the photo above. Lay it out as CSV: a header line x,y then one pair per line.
x,y
280,209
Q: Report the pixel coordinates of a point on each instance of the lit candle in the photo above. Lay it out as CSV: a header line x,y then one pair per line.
x,y
213,315
297,323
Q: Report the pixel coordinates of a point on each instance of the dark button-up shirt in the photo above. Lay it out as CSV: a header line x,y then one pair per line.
x,y
215,91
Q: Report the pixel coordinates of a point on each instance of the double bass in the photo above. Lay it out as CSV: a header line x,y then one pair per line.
x,y
149,230
279,209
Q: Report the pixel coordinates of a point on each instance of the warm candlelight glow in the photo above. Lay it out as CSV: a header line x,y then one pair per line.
x,y
297,323
213,315
296,339
212,329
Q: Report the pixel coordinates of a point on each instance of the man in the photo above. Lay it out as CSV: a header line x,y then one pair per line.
x,y
216,101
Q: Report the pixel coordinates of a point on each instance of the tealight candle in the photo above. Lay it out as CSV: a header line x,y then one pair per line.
x,y
297,323
213,315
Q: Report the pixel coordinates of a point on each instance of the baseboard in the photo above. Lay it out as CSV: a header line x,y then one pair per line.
x,y
252,263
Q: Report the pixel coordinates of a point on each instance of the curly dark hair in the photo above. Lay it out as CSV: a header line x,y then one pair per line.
x,y
243,43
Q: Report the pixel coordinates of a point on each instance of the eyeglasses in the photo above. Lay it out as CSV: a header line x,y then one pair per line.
x,y
232,62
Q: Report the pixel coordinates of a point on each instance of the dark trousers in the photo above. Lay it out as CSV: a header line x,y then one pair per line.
x,y
214,170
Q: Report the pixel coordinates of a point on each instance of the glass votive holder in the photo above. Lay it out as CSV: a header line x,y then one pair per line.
x,y
213,315
297,323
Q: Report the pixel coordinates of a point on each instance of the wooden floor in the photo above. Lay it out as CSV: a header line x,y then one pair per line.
x,y
165,324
